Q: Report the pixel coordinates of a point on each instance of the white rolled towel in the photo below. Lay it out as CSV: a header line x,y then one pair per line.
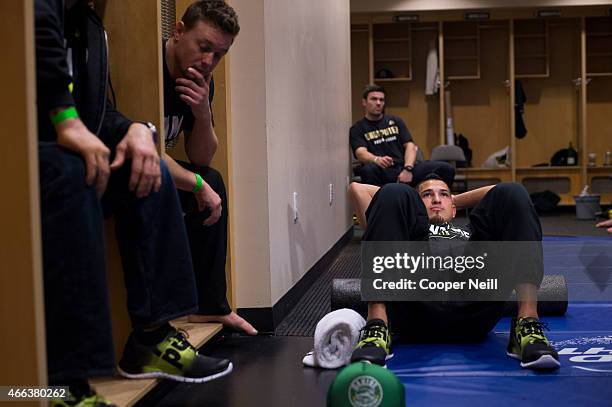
x,y
335,337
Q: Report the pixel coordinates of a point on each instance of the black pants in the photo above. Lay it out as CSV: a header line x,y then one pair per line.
x,y
154,253
397,213
374,175
208,244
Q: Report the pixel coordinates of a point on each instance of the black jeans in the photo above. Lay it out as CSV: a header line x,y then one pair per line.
x,y
208,244
154,253
374,175
397,213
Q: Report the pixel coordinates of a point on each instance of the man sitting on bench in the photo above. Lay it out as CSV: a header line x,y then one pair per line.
x,y
398,212
82,138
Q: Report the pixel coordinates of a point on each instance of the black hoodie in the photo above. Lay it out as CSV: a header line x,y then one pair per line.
x,y
80,30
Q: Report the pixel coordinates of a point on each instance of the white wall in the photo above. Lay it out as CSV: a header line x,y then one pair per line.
x,y
308,115
290,113
358,6
248,186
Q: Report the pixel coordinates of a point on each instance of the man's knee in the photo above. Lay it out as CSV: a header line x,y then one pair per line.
x,y
397,190
513,192
397,193
356,189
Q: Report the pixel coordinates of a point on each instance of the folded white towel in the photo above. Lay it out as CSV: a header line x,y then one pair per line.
x,y
336,335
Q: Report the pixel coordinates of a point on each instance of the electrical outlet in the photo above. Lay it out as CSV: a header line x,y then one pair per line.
x,y
331,194
295,207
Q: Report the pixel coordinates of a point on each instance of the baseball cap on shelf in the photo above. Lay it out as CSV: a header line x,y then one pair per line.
x,y
384,73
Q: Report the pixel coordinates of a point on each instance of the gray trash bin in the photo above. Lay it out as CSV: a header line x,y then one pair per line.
x,y
587,206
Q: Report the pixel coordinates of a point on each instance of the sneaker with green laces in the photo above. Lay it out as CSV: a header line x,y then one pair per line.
x,y
81,395
529,345
375,344
173,358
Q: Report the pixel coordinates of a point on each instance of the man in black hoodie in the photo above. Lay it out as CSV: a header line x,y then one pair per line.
x,y
94,162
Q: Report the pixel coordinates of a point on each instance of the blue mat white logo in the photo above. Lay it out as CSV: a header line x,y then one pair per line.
x,y
593,354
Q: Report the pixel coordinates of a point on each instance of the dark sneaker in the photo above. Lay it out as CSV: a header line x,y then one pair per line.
x,y
81,396
375,344
173,358
529,345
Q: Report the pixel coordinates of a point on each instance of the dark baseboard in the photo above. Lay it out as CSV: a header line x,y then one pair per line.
x,y
267,319
260,318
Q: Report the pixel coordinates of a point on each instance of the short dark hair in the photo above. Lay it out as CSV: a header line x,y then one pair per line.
x,y
373,88
428,170
432,175
429,177
217,12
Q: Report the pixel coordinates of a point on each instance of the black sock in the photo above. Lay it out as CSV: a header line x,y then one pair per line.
x,y
154,336
376,321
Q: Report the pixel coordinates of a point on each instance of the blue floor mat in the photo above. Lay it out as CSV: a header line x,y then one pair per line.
x,y
585,263
574,238
482,374
509,391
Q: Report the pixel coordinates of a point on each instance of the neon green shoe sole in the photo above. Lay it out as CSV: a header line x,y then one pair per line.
x,y
529,345
173,358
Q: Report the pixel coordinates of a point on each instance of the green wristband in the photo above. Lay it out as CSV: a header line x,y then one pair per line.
x,y
199,183
70,113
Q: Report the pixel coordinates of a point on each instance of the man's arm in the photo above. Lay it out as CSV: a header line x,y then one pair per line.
x,y
201,142
606,224
409,158
54,100
470,199
134,141
409,151
52,76
365,157
361,196
360,149
205,196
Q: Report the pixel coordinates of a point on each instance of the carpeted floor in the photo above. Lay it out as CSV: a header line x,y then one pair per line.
x,y
316,302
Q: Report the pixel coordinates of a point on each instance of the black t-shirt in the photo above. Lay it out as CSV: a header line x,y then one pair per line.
x,y
386,136
177,114
448,231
